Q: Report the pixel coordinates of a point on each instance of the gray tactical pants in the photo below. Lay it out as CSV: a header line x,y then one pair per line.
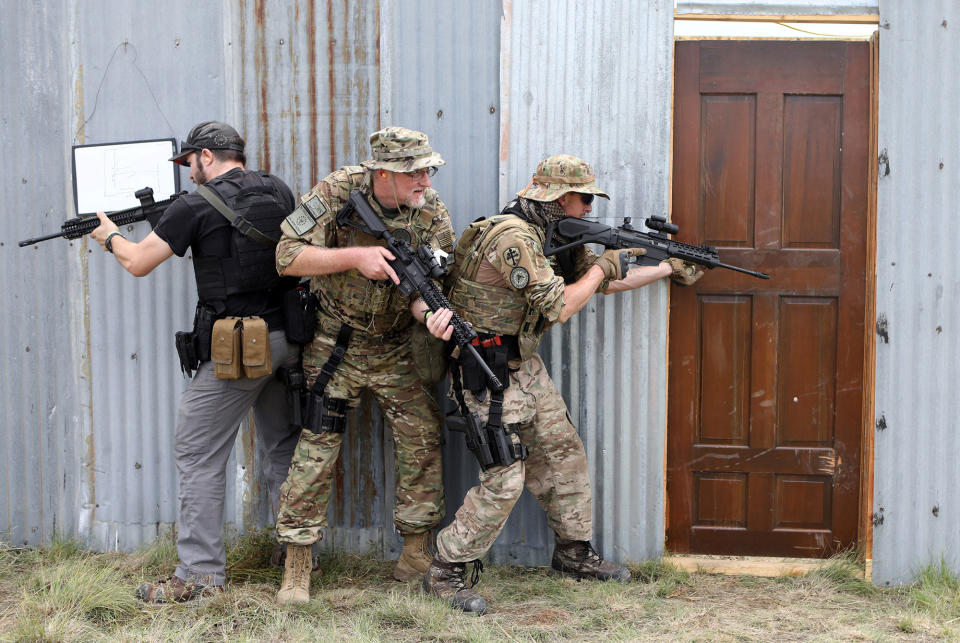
x,y
207,422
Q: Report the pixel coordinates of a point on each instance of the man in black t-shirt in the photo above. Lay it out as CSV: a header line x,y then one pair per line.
x,y
236,277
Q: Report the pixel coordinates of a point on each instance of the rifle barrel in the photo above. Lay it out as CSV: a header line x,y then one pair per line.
x,y
46,237
753,273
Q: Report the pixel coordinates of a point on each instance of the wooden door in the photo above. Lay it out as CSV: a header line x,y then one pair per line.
x,y
766,377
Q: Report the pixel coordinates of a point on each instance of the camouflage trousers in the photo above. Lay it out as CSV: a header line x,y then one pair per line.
x,y
385,368
555,472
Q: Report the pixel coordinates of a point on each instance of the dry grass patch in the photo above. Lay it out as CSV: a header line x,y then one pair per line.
x,y
65,594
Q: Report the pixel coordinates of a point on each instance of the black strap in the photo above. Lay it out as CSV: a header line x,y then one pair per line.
x,y
243,226
495,412
330,367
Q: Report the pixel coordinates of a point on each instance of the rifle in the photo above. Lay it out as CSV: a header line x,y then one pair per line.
x,y
79,226
659,246
416,270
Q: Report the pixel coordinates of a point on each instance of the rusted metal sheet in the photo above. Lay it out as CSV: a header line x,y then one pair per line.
x,y
444,82
915,522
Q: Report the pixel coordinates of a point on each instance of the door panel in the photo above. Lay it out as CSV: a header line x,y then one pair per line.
x,y
765,384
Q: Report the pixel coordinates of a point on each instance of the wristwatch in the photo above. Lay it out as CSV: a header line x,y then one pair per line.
x,y
108,242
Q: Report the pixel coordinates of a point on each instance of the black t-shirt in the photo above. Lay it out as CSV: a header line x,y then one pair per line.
x,y
190,223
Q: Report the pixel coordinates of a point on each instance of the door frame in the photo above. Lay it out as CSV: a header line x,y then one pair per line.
x,y
866,519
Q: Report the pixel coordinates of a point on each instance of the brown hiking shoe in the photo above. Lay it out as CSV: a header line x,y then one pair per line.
x,y
445,581
415,557
175,590
578,558
296,575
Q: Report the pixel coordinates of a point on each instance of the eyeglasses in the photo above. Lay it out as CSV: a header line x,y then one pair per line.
x,y
416,175
586,198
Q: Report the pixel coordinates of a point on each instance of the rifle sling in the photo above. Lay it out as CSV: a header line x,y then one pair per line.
x,y
242,225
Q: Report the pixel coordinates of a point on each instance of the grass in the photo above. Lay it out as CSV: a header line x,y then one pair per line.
x,y
63,593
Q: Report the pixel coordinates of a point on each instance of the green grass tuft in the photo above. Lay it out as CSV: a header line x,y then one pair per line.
x,y
843,572
936,590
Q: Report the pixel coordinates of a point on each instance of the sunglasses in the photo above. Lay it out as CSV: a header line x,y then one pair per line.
x,y
416,175
586,198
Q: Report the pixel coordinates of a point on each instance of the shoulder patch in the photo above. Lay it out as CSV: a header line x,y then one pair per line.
x,y
305,216
316,206
512,256
519,278
300,221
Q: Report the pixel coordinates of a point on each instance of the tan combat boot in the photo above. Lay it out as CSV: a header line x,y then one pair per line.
x,y
415,557
296,575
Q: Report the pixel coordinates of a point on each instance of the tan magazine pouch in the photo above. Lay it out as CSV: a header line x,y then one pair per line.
x,y
256,347
225,348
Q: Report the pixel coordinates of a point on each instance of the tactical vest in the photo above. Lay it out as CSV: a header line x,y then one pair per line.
x,y
375,305
251,266
496,310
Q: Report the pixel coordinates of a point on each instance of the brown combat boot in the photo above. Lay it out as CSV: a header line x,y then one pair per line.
x,y
445,581
415,557
175,590
578,558
296,575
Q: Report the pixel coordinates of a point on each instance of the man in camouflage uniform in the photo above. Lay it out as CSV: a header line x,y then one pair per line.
x,y
511,293
352,280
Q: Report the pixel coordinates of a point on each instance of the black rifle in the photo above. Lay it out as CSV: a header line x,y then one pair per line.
x,y
416,270
79,226
570,232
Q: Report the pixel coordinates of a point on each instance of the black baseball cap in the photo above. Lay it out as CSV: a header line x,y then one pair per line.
x,y
210,135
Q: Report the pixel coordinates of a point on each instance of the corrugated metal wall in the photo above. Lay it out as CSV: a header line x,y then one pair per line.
x,y
91,381
916,513
595,80
42,403
306,82
562,83
443,79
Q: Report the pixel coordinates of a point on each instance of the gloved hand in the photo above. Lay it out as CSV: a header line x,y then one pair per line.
x,y
614,262
684,272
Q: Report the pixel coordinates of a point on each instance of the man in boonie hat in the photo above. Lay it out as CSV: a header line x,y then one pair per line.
x,y
369,323
511,294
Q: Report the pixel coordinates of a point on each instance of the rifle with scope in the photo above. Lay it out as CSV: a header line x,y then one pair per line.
x,y
77,227
570,232
416,269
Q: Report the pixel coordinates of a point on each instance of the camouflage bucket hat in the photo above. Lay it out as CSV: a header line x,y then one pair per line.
x,y
399,149
558,175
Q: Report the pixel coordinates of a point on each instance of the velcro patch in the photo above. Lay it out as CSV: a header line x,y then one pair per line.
x,y
512,255
316,206
519,278
304,218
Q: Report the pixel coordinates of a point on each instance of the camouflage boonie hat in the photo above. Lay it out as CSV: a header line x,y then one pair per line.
x,y
399,149
558,175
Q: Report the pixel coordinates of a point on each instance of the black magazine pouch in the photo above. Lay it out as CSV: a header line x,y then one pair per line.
x,y
299,314
203,321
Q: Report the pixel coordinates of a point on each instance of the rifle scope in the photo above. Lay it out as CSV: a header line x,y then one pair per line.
x,y
659,223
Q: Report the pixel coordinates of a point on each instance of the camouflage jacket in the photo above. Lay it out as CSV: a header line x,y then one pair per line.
x,y
374,306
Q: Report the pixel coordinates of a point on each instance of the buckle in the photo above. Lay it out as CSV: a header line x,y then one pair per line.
x,y
487,343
